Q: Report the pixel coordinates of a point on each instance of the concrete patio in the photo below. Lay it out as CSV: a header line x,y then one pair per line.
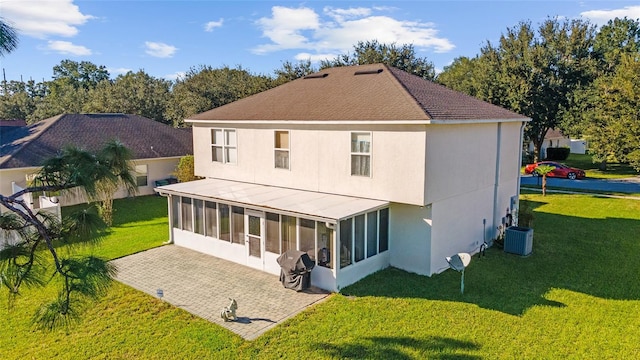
x,y
202,285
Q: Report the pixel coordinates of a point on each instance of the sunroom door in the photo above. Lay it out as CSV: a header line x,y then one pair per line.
x,y
254,223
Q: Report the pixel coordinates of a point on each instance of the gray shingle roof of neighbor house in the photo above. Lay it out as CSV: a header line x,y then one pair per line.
x,y
29,146
361,93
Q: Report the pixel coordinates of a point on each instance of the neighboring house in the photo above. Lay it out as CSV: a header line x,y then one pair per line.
x,y
555,138
361,167
156,147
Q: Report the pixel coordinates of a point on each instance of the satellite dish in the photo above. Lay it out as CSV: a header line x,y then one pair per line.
x,y
459,262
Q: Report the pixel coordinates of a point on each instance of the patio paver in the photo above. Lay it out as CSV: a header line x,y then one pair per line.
x,y
202,285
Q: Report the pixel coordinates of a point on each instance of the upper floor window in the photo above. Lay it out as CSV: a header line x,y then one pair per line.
x,y
361,153
224,146
281,146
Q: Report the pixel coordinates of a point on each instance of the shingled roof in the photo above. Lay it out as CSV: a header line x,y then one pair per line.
x,y
360,93
30,145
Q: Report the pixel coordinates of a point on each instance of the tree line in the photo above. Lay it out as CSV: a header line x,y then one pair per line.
x,y
564,74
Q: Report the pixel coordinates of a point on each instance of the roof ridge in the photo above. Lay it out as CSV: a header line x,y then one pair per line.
x,y
408,91
53,120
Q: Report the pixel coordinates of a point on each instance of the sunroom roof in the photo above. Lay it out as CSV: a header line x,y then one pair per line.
x,y
276,199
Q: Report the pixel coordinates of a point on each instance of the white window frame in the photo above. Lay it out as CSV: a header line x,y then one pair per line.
x,y
226,145
142,170
360,151
282,149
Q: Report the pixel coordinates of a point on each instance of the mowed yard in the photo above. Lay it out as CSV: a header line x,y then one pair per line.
x,y
577,297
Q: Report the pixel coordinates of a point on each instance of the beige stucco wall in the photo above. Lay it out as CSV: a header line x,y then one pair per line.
x,y
482,161
410,229
460,159
158,169
320,160
7,176
449,185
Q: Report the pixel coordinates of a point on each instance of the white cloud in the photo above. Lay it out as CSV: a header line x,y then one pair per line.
x,y
601,17
342,14
208,27
314,58
114,71
340,29
285,27
44,18
68,48
158,49
175,76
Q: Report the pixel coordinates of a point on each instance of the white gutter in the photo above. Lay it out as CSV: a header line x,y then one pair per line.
x,y
357,122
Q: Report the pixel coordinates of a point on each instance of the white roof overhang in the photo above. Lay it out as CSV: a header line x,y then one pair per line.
x,y
310,204
359,122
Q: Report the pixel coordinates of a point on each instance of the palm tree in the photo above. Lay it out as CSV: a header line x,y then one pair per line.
x,y
22,262
8,38
118,158
543,170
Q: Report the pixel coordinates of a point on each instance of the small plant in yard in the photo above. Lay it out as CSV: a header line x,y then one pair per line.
x,y
525,214
543,170
185,169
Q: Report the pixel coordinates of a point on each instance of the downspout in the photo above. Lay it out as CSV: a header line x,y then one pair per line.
x,y
496,181
170,215
519,167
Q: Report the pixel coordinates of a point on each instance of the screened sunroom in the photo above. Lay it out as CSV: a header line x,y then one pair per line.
x,y
250,224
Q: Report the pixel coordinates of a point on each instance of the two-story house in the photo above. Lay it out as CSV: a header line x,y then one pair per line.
x,y
362,167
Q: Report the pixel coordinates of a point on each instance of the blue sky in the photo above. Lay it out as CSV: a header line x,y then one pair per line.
x,y
166,38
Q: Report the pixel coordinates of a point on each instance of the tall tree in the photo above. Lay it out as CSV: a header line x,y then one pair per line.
x,y
291,71
23,262
613,118
204,88
8,38
19,99
132,93
603,111
61,97
615,39
83,74
535,74
69,90
462,75
371,52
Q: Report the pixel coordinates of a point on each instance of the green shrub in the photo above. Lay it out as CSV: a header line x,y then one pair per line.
x,y
558,153
185,170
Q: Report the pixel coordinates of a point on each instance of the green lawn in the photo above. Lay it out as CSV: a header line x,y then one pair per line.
x,y
576,297
614,170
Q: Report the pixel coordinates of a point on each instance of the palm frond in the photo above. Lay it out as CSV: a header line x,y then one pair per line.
x,y
88,276
83,226
20,265
58,313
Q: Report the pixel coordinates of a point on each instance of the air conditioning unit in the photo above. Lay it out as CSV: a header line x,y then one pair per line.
x,y
518,240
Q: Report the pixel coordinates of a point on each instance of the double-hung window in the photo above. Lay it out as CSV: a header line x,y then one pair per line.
x,y
281,147
224,146
361,153
142,172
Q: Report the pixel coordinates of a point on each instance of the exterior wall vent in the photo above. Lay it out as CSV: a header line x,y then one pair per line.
x,y
316,76
368,72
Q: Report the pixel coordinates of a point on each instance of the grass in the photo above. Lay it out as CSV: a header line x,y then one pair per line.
x,y
614,170
140,223
576,296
